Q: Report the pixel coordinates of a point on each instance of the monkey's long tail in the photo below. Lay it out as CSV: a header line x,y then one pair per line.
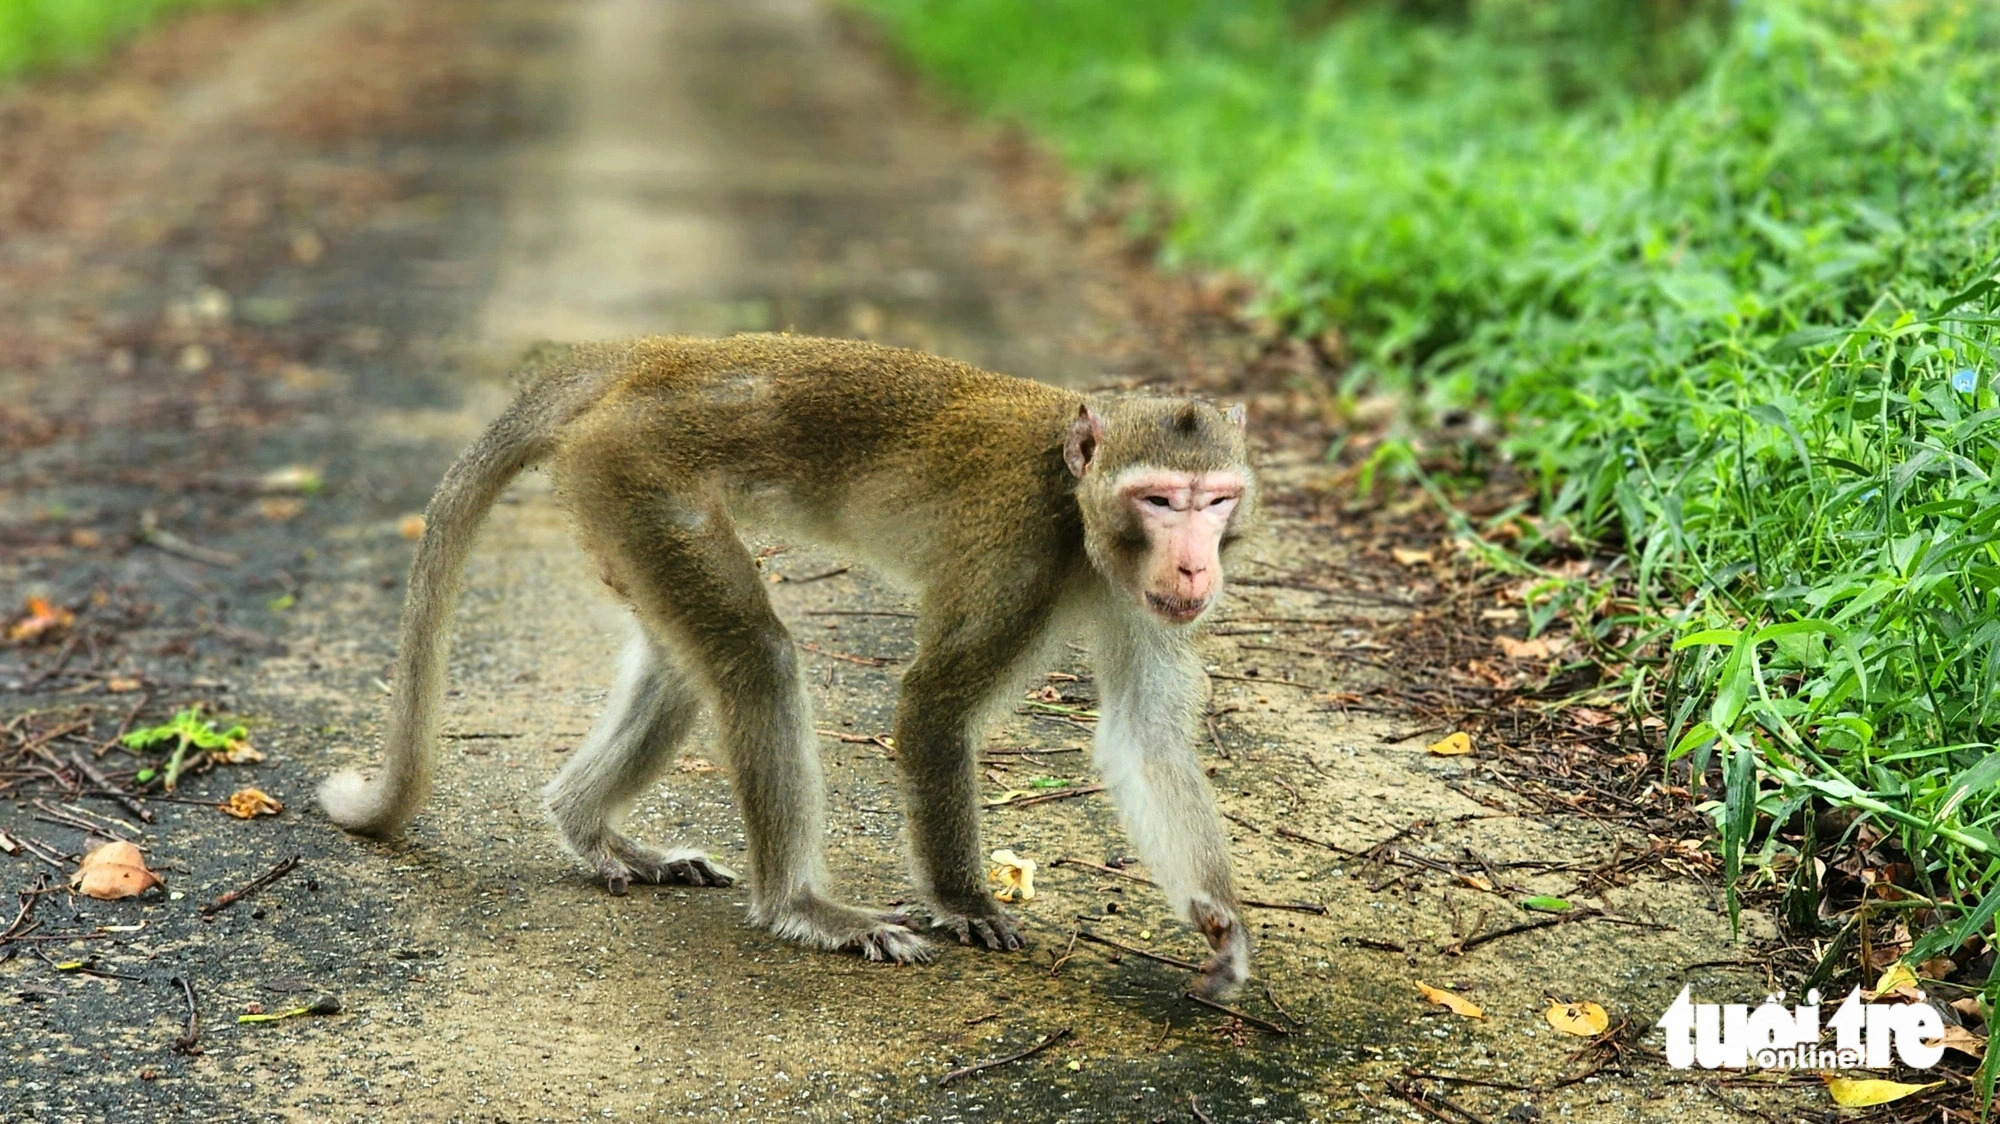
x,y
522,435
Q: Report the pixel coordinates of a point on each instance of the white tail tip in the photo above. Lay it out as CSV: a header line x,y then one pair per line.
x,y
353,803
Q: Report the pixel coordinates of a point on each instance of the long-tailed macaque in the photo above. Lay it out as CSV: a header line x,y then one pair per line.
x,y
1018,512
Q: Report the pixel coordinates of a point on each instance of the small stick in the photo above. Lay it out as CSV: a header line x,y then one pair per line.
x,y
1416,1098
1243,823
1066,954
151,534
1260,1024
41,851
1291,907
1251,903
125,799
190,1042
1261,679
1043,798
1304,838
1194,1106
833,573
1051,1039
859,613
131,716
1280,1007
283,868
864,661
1087,935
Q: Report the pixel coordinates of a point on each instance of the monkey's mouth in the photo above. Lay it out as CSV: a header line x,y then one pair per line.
x,y
1179,610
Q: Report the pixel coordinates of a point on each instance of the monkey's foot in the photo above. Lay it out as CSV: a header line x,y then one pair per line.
x,y
997,929
621,862
1229,939
827,924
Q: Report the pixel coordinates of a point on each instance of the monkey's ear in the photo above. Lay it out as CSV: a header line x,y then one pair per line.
x,y
1086,433
1237,417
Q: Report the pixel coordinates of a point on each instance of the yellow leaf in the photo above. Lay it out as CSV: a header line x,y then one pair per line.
x,y
1849,1092
113,871
1898,974
1410,557
1455,744
248,803
411,526
1015,877
1585,1020
1458,1003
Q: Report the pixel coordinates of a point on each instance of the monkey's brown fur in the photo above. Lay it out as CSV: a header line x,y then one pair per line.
x,y
996,498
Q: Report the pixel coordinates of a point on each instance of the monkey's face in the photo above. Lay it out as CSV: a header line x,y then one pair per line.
x,y
1181,518
1165,491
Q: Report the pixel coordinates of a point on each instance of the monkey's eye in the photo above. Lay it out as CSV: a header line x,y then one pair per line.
x,y
1222,501
1159,501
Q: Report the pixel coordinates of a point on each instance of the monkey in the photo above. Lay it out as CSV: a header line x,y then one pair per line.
x,y
1019,514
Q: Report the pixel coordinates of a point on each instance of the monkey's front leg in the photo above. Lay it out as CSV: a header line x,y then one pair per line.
x,y
942,697
1150,688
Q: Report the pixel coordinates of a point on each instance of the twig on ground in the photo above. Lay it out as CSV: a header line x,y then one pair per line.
x,y
1194,1106
1045,797
125,799
1093,938
1253,1020
1435,1112
190,1042
1047,1041
151,534
864,661
263,880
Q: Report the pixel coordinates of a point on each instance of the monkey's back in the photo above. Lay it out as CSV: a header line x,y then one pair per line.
x,y
856,438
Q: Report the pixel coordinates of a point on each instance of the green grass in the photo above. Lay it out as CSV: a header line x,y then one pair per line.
x,y
43,34
1724,272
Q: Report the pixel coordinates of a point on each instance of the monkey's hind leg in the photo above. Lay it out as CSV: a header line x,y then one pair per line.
x,y
691,579
651,710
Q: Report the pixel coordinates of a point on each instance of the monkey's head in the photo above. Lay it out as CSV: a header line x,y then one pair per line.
x,y
1165,489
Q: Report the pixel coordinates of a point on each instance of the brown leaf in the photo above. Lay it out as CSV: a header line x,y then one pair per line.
x,y
1537,649
1411,557
411,526
113,871
249,803
1964,1041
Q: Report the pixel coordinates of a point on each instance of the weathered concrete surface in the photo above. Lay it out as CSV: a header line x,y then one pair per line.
x,y
685,165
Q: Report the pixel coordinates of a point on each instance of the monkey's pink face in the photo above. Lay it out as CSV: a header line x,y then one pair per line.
x,y
1184,516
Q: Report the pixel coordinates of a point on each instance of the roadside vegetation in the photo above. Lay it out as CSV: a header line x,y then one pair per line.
x,y
40,34
1724,273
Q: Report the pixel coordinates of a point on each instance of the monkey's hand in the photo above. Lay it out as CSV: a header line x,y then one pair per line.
x,y
988,925
1228,964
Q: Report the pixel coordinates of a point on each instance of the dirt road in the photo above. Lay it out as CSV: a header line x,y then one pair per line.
x,y
313,236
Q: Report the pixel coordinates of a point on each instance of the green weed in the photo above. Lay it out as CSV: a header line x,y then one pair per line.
x,y
1725,272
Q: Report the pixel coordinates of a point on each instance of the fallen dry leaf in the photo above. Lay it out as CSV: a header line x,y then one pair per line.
x,y
120,684
291,478
1849,1092
236,752
1410,557
113,871
249,803
1539,648
42,619
411,526
1458,1003
1014,875
1585,1020
1960,1039
280,508
1455,744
